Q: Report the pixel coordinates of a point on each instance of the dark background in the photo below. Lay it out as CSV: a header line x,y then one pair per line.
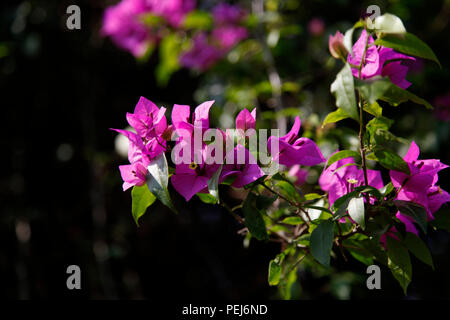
x,y
61,197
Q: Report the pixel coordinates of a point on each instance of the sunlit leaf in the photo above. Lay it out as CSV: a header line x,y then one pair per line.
x,y
142,198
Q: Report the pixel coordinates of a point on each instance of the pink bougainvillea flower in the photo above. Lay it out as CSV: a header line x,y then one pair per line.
x,y
202,55
294,150
298,174
148,120
420,187
337,47
246,120
245,172
395,65
228,36
379,61
341,178
136,147
190,179
174,11
371,60
133,175
181,117
122,23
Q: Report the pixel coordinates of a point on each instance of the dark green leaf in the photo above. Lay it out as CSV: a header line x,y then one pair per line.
x,y
441,220
253,218
409,44
343,154
373,89
418,248
399,262
413,210
159,180
322,242
391,161
263,202
142,198
344,92
288,190
395,95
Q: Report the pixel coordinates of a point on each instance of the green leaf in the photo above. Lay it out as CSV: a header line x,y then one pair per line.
x,y
373,109
335,116
322,242
292,220
288,190
408,44
345,198
343,154
387,189
441,220
213,184
378,129
399,262
274,273
169,50
198,20
391,161
263,202
142,198
344,92
358,252
253,218
312,196
373,89
418,248
413,210
207,198
159,181
395,95
356,211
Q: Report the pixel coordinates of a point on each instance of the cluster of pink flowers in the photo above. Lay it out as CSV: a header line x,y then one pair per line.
x,y
378,60
208,48
124,24
419,187
152,135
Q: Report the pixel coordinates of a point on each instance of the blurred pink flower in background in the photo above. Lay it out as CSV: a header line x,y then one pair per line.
x,y
173,11
207,49
202,55
121,23
298,174
228,14
316,26
442,107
